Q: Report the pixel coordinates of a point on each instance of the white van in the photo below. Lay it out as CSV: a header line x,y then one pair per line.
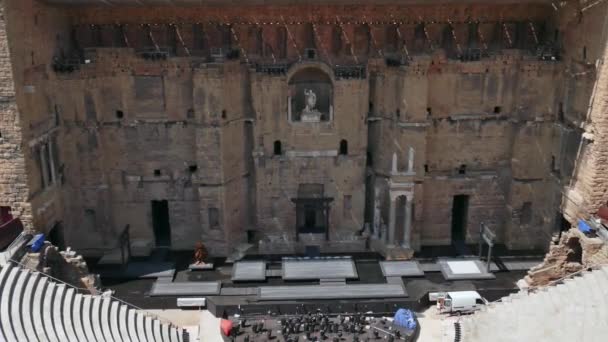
x,y
458,301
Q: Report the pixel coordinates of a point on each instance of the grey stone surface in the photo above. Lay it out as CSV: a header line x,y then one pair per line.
x,y
123,323
249,270
157,330
57,318
141,270
430,267
16,310
68,319
165,332
37,308
7,278
401,269
191,302
317,269
331,291
239,291
479,272
161,288
141,328
78,316
105,315
90,329
201,267
132,319
28,298
95,312
149,326
47,312
114,321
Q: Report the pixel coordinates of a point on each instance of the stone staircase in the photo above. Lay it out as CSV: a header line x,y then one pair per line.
x,y
33,307
573,310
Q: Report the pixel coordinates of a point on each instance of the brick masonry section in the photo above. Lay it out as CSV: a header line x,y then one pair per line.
x,y
13,179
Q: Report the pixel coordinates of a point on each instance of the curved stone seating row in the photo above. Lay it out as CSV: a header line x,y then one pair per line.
x,y
575,310
35,308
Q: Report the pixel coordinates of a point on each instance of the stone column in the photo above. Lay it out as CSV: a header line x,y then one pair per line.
x,y
407,234
410,160
52,161
44,165
394,164
391,223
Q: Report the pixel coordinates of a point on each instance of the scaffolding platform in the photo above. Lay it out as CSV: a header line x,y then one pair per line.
x,y
325,268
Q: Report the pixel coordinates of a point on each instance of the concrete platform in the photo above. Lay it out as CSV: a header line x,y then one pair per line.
x,y
249,271
401,269
464,269
198,288
140,270
307,269
331,291
201,267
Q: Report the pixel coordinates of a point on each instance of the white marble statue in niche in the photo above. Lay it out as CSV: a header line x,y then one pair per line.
x,y
310,113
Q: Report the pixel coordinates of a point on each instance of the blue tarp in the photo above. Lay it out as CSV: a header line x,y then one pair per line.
x,y
37,242
405,318
583,226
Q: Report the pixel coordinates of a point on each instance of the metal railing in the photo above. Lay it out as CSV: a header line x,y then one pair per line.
x,y
8,253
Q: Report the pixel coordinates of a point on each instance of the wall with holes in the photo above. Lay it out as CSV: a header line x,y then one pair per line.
x,y
188,104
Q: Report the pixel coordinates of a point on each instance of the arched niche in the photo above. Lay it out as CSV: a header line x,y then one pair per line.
x,y
310,94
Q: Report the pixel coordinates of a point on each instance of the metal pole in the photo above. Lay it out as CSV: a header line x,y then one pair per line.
x,y
480,239
489,257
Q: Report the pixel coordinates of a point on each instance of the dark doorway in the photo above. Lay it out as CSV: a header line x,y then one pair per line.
x,y
160,223
55,236
400,219
310,217
459,218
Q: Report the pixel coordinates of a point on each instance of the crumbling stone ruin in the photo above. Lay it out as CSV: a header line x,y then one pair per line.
x,y
573,253
67,266
339,124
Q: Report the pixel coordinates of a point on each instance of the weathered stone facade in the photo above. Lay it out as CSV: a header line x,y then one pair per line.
x,y
14,191
431,120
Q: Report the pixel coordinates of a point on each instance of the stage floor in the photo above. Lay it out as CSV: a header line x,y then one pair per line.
x,y
390,283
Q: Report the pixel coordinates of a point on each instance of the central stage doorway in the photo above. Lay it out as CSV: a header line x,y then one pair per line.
x,y
312,210
459,219
160,223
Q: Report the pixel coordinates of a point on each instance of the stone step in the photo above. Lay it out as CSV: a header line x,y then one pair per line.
x,y
7,276
132,325
47,311
16,302
57,310
87,310
68,319
123,323
105,319
148,329
77,316
114,321
28,298
141,328
95,318
34,308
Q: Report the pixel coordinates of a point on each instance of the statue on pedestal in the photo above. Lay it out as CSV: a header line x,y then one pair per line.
x,y
309,113
200,253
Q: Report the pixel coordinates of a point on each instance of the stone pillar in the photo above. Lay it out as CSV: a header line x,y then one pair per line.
x,y
394,164
407,234
391,223
52,161
410,160
44,165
